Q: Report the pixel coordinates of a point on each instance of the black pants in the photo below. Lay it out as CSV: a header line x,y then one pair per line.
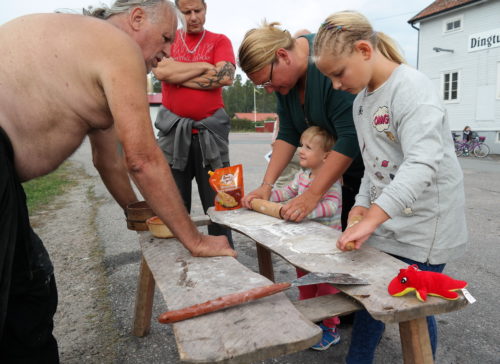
x,y
350,189
28,294
27,335
183,179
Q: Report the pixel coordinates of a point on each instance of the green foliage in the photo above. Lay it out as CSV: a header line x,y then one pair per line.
x,y
156,85
242,125
240,98
41,191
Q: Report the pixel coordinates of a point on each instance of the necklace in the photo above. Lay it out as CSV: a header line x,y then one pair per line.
x,y
197,44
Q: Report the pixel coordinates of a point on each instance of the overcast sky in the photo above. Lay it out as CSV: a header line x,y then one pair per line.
x,y
235,17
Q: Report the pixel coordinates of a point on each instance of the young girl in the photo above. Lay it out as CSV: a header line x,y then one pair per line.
x,y
316,144
411,196
467,134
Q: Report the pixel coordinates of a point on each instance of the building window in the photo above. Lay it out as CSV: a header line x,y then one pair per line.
x,y
451,25
498,81
450,86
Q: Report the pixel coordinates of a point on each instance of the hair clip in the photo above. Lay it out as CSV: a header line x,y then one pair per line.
x,y
328,26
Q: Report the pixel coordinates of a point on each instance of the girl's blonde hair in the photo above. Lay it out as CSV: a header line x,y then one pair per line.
x,y
325,138
259,46
341,30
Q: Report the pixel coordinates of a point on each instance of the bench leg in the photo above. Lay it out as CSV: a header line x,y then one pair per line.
x,y
415,342
265,262
143,300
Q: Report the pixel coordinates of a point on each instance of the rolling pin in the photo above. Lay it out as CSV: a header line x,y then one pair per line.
x,y
229,300
266,207
352,221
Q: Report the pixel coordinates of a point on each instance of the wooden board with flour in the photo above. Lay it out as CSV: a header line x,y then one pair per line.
x,y
311,246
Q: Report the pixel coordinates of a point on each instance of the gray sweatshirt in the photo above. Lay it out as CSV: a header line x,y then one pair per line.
x,y
411,170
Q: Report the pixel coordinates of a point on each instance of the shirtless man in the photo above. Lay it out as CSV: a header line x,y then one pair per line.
x,y
64,77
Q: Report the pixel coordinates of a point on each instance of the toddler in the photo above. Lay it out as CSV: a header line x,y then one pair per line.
x,y
316,144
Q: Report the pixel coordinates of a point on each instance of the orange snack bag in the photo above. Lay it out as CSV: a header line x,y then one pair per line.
x,y
228,183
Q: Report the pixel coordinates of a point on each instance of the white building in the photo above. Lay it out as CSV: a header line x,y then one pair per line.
x,y
459,49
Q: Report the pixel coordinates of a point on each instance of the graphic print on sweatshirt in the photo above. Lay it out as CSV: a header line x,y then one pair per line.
x,y
382,122
383,170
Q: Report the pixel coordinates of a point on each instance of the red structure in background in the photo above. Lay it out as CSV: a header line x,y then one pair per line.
x,y
268,119
154,98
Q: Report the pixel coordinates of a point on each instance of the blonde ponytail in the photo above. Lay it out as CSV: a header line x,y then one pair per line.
x,y
340,31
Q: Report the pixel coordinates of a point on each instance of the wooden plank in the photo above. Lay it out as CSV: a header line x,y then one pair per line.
x,y
254,331
415,342
320,308
201,220
265,261
311,247
143,301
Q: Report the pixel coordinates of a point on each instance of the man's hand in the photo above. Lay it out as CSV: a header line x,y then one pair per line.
x,y
263,192
212,246
175,72
301,206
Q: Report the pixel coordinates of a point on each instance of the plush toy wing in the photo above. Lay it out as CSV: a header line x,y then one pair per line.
x,y
425,283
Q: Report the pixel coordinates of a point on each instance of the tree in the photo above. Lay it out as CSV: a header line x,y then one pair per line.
x,y
240,98
156,84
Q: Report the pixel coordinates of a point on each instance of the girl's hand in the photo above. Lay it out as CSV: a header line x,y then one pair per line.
x,y
355,212
357,233
263,192
299,207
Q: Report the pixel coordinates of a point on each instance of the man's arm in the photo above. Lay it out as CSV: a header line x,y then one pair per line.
x,y
177,73
123,79
197,75
111,167
221,75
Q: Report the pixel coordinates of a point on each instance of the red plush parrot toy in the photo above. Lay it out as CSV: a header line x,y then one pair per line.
x,y
425,283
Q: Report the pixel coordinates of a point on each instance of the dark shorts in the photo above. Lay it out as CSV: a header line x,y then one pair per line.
x,y
28,295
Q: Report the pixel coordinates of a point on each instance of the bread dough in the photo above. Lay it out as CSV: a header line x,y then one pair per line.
x,y
306,244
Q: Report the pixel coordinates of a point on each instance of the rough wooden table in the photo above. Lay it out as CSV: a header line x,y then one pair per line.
x,y
311,247
255,331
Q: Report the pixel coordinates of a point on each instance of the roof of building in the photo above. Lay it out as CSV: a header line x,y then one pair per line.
x,y
154,98
440,6
260,116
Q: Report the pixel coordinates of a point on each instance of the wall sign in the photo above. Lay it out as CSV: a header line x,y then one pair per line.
x,y
484,40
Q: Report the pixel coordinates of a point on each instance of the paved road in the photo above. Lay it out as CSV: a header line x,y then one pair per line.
x,y
471,335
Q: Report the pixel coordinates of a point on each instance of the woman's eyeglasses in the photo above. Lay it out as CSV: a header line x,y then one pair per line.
x,y
268,82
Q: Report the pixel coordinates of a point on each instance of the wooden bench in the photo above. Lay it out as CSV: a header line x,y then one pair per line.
x,y
258,330
273,326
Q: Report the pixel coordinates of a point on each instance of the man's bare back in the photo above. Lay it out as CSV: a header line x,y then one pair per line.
x,y
51,92
67,76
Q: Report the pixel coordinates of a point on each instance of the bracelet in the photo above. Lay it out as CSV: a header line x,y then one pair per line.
x,y
267,184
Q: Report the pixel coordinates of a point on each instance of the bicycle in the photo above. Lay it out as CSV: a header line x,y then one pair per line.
x,y
476,145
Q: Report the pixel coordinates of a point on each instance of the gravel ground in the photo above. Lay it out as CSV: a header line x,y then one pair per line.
x,y
96,261
83,320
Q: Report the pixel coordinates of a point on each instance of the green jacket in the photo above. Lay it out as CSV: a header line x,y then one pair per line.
x,y
325,107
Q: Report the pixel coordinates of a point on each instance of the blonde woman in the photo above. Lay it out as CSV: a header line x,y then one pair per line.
x,y
274,59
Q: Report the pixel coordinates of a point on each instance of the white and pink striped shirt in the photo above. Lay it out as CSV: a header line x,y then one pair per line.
x,y
329,208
